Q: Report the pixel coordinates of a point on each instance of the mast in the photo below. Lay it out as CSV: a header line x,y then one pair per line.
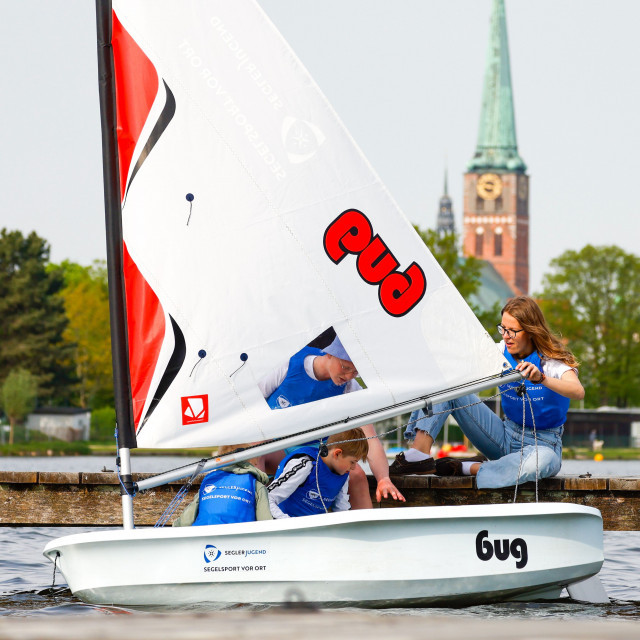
x,y
126,438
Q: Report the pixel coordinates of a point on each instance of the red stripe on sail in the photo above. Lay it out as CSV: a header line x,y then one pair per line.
x,y
137,83
146,329
136,88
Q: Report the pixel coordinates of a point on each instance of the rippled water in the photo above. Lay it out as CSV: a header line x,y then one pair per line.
x,y
26,576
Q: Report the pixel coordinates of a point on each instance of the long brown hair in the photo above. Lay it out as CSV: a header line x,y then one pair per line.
x,y
527,312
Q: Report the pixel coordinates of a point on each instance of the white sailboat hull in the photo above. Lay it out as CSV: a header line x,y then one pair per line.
x,y
422,556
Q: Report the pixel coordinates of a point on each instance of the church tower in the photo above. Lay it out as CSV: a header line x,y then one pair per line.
x,y
496,187
445,222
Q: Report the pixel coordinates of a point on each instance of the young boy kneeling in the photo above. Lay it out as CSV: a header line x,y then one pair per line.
x,y
317,484
235,493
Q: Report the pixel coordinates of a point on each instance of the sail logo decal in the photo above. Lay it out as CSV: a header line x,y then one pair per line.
x,y
195,409
352,233
211,553
301,139
502,549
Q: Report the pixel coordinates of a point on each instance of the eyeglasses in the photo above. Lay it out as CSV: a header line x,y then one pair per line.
x,y
510,333
349,370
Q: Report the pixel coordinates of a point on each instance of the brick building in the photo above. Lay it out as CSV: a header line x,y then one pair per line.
x,y
496,186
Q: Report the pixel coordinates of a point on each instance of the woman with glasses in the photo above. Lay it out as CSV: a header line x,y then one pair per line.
x,y
508,446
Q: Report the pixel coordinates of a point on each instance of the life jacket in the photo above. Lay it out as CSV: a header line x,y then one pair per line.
x,y
226,497
549,408
305,500
298,387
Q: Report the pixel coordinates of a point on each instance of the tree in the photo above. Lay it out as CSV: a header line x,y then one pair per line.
x,y
32,315
86,300
19,393
464,272
592,297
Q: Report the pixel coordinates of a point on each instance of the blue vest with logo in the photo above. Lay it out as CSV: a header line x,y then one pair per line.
x,y
305,500
226,497
298,387
549,408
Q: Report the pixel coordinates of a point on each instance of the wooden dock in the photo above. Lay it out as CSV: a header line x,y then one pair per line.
x,y
45,498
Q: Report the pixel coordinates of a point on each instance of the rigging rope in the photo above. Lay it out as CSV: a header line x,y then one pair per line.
x,y
522,392
177,499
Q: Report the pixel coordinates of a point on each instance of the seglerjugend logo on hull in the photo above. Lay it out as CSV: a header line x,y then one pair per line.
x,y
227,560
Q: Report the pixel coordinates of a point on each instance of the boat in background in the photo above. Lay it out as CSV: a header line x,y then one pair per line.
x,y
244,225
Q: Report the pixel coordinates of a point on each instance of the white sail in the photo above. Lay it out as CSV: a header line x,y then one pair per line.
x,y
252,224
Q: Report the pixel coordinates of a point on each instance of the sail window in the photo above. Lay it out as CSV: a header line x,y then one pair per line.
x,y
309,375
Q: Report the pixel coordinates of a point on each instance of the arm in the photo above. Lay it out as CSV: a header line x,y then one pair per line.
x,y
379,464
273,380
281,492
189,515
263,511
568,385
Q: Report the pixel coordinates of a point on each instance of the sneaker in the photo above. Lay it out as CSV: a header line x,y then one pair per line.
x,y
453,466
401,467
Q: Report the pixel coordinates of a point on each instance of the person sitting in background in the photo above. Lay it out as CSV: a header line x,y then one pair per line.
x,y
528,442
235,493
311,481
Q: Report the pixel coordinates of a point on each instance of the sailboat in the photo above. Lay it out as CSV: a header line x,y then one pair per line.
x,y
244,224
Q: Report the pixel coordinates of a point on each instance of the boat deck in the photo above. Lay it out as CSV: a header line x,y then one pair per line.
x,y
32,498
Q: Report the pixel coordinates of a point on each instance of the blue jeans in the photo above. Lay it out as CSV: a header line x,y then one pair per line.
x,y
499,440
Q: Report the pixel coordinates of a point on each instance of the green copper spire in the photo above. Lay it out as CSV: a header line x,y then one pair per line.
x,y
497,147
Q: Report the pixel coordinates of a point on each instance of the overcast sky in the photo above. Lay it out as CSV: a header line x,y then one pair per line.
x,y
406,78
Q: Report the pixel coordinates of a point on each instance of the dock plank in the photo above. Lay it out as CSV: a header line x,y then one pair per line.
x,y
93,499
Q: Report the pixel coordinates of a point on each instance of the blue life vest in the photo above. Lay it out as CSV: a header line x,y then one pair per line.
x,y
549,408
305,500
298,387
226,497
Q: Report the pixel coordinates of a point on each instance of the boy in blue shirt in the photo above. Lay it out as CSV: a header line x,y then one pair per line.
x,y
307,483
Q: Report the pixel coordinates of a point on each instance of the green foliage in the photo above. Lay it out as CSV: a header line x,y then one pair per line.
x,y
464,272
87,334
103,424
592,297
32,312
18,397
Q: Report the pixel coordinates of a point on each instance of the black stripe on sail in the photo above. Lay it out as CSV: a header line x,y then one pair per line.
x,y
165,118
174,365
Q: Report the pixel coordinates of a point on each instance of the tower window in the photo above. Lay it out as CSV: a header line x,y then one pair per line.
x,y
497,242
479,241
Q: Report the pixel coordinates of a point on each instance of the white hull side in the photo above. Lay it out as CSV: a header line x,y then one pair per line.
x,y
422,556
